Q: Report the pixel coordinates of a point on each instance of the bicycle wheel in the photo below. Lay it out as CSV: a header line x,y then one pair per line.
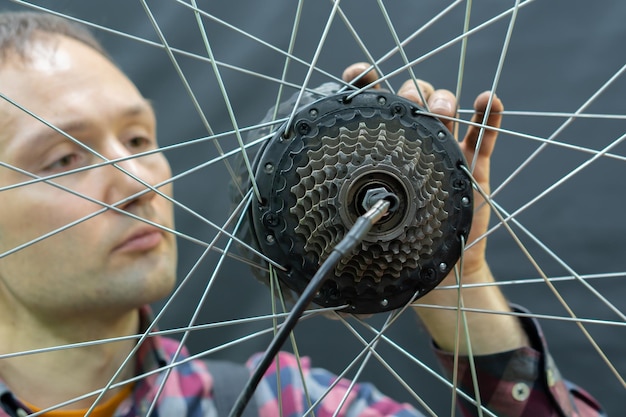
x,y
555,171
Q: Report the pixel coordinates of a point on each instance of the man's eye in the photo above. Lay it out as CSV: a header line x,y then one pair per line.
x,y
63,163
139,142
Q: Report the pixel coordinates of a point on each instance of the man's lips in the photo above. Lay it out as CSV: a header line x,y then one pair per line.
x,y
141,240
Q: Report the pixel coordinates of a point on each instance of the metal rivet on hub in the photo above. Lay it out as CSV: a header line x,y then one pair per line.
x,y
304,128
270,219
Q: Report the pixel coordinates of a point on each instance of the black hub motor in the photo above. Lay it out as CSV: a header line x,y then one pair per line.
x,y
338,156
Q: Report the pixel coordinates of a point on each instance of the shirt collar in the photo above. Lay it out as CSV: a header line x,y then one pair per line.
x,y
150,357
151,354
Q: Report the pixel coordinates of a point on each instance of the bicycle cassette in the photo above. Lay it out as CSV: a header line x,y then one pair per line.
x,y
314,175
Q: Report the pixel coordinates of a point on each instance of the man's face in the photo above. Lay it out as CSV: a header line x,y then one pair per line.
x,y
110,262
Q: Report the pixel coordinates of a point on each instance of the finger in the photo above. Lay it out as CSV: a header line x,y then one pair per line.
x,y
363,73
494,120
443,102
488,141
416,92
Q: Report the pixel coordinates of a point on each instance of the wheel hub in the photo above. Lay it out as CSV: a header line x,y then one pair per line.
x,y
315,177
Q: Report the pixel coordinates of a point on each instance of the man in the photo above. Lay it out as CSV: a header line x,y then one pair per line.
x,y
93,280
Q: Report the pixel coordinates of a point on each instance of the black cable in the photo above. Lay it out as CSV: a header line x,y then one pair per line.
x,y
355,235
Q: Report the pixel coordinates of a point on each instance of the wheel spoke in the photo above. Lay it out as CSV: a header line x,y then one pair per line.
x,y
288,55
496,81
362,46
316,56
462,60
446,45
550,285
380,335
562,127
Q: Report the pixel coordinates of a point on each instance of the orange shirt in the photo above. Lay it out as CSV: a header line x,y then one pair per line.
x,y
106,409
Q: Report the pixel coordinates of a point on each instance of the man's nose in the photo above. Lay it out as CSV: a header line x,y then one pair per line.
x,y
130,178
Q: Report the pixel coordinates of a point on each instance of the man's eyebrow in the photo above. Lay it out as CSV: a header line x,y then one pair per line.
x,y
54,130
65,129
144,106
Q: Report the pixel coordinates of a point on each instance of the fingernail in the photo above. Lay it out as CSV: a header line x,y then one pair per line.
x,y
441,105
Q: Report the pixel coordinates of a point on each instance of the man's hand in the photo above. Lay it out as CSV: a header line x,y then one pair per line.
x,y
488,333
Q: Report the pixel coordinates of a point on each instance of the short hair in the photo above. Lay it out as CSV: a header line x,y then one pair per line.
x,y
18,30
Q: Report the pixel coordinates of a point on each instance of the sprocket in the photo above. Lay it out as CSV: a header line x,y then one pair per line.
x,y
314,175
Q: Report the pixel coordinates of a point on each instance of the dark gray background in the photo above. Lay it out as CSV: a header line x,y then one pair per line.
x,y
562,51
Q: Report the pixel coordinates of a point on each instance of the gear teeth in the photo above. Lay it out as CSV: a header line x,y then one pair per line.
x,y
328,169
316,176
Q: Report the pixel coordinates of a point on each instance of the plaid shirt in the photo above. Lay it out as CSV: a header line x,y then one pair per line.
x,y
520,383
